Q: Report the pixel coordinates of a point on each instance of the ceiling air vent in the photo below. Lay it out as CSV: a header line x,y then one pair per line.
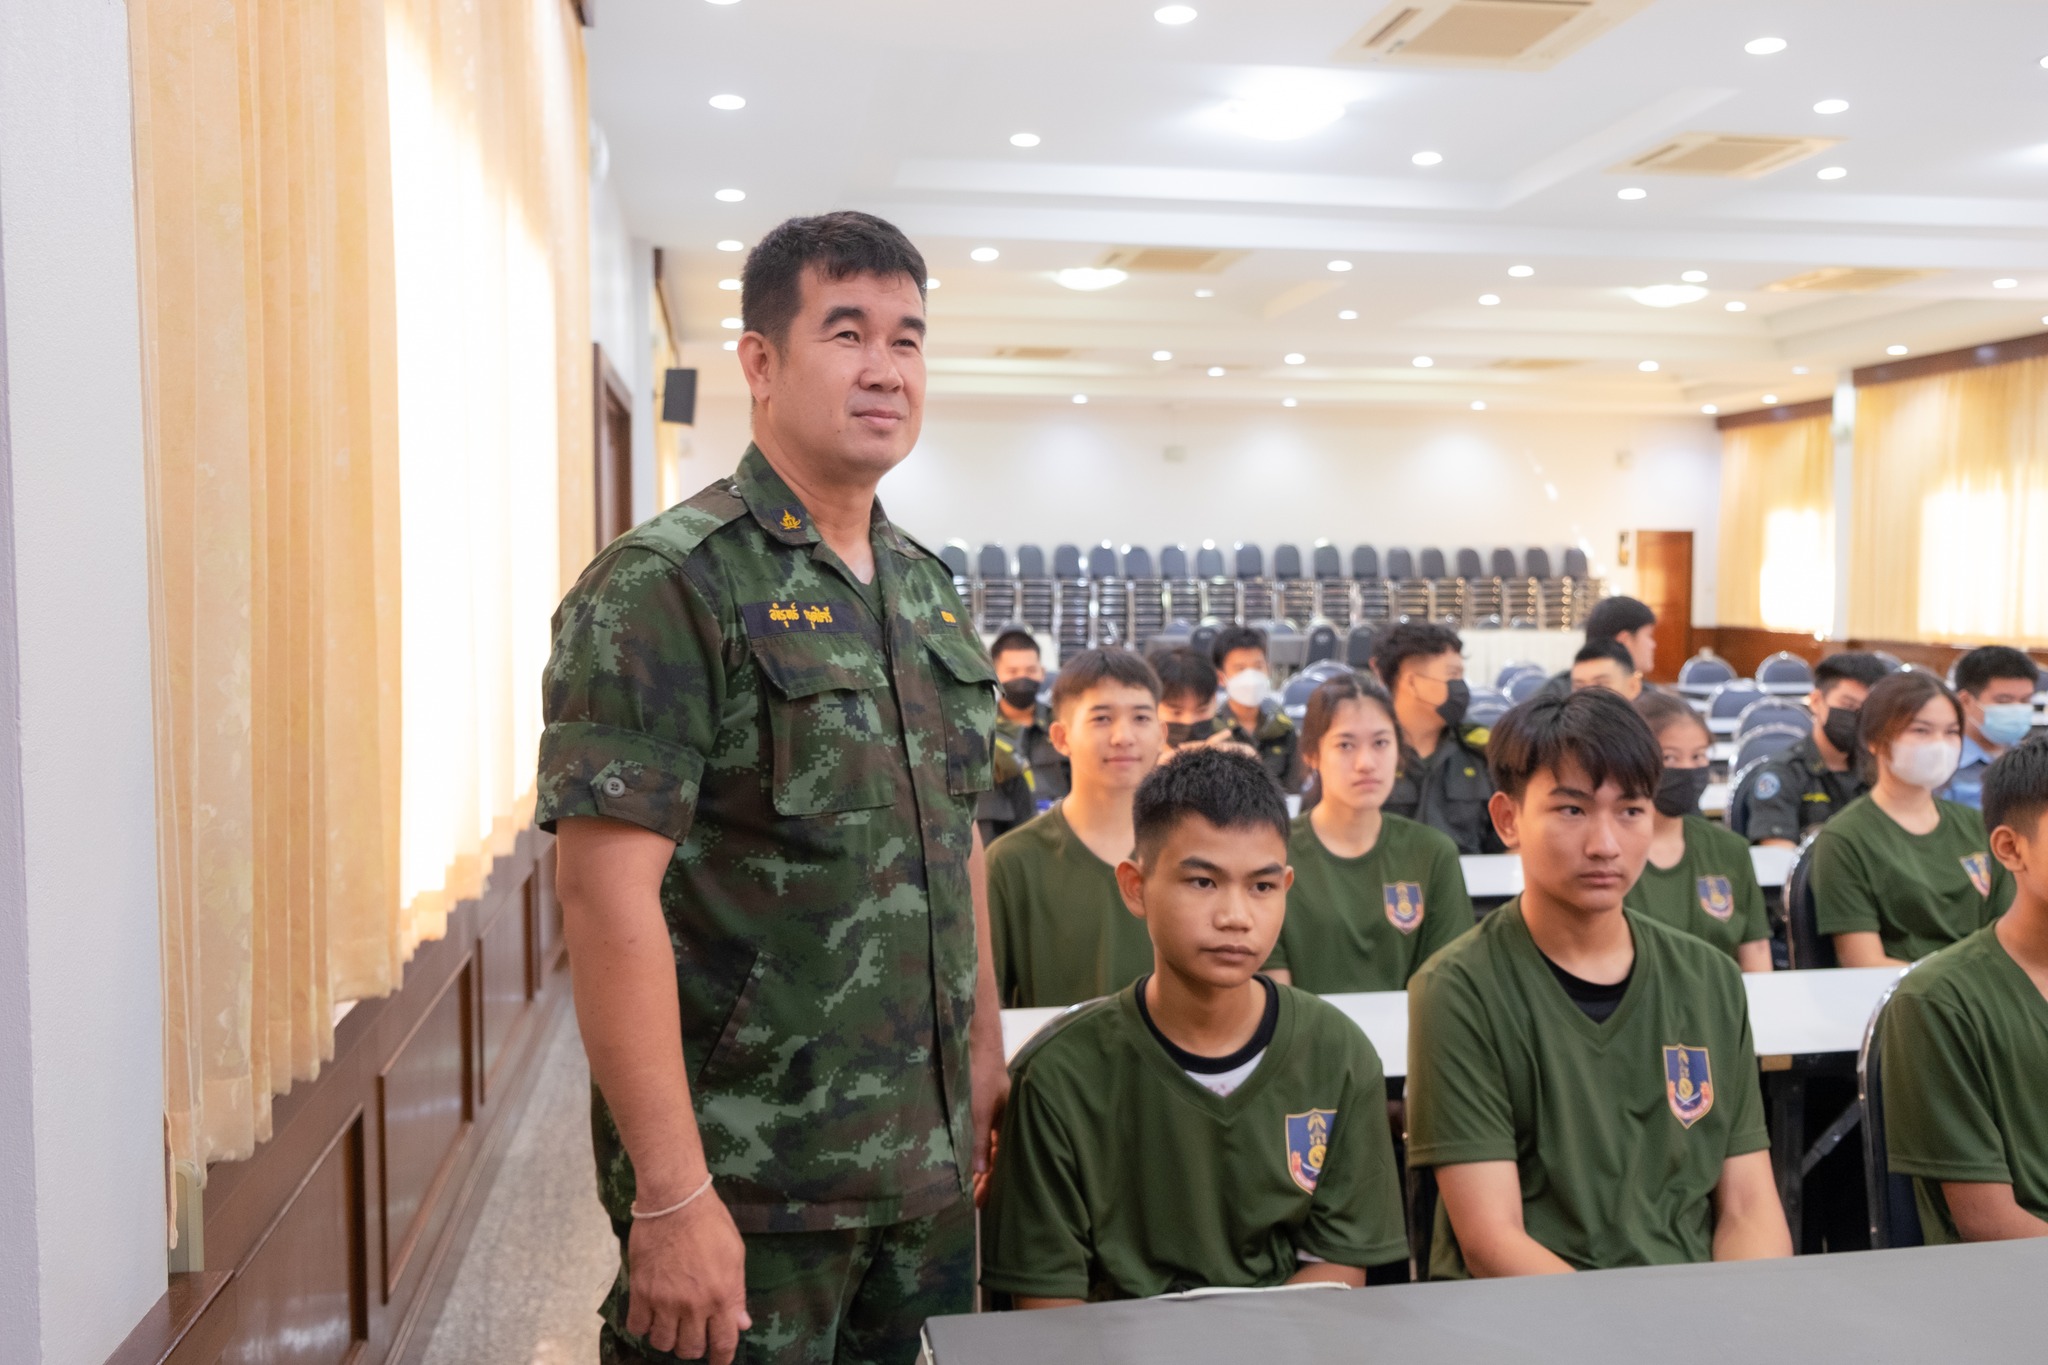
x,y
1845,279
1033,352
1179,260
1737,156
1515,35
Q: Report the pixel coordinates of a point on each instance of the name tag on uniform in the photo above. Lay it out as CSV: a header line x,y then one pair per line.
x,y
784,618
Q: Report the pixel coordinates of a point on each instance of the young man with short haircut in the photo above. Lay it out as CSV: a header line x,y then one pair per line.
x,y
1030,774
1965,1042
1996,685
1188,709
1810,783
1442,781
1204,1127
1607,663
1252,709
1616,620
1581,1077
1061,934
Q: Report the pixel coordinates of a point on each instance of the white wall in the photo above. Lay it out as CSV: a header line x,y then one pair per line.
x,y
81,1072
621,293
1057,472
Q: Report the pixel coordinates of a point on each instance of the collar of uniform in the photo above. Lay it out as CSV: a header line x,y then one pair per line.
x,y
784,517
1973,752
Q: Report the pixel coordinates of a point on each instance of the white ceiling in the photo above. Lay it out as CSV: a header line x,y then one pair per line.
x,y
905,108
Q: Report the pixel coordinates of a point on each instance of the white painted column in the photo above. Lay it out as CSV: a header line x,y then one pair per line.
x,y
81,1070
1843,429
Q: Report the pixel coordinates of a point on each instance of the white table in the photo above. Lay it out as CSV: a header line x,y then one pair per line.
x,y
1722,725
1496,876
1721,751
1714,801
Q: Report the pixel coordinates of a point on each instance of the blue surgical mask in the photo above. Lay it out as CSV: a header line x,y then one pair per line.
x,y
2007,723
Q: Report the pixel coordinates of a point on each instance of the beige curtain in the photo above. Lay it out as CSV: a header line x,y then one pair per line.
x,y
1950,524
306,441
1777,556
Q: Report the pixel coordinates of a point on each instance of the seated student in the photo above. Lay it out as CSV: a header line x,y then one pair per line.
x,y
1030,773
1582,1077
1188,704
1374,895
1617,620
1699,877
1058,925
1442,780
1254,715
1996,685
1801,788
1605,663
1204,1126
1965,1043
1900,873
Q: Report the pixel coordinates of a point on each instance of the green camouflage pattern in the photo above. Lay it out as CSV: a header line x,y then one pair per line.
x,y
1276,741
717,678
857,1297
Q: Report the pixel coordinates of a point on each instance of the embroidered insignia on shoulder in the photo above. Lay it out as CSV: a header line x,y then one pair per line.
x,y
1978,865
949,618
1688,1083
1717,897
791,521
1308,1141
1479,736
1404,904
781,618
1767,786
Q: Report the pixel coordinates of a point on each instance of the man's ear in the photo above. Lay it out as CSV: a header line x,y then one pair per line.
x,y
1057,733
1130,880
757,364
2010,849
1507,818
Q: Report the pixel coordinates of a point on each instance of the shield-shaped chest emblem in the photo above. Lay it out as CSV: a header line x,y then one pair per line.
x,y
1978,865
1688,1083
1404,904
1308,1139
1717,897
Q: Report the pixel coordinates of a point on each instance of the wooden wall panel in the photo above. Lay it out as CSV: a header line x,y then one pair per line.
x,y
1745,648
505,978
303,1297
424,1106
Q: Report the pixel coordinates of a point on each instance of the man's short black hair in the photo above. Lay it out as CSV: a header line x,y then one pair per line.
x,y
1091,668
1184,675
1609,648
1981,667
1592,727
1612,616
1013,640
843,245
1235,637
1849,666
1397,644
1229,790
2016,789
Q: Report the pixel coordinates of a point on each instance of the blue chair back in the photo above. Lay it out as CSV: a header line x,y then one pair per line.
x,y
1523,686
1894,1209
1538,560
1365,562
1173,562
1066,561
1469,565
1785,673
994,562
1702,673
1104,562
1030,562
1325,560
953,555
1575,565
1509,671
1773,712
1487,706
1727,701
1208,562
1286,561
1203,640
1504,565
1807,947
1358,648
1322,643
1251,561
1138,563
1767,741
1400,564
1432,564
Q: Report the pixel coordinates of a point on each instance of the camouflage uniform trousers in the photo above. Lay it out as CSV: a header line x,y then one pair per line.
x,y
847,1297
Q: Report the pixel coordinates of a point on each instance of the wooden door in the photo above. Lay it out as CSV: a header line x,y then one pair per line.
x,y
1664,583
614,450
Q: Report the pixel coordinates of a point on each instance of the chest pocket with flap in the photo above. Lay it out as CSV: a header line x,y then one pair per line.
x,y
966,683
834,738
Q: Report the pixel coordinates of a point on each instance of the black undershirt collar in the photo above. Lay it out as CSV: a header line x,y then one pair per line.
x,y
1595,1001
1216,1066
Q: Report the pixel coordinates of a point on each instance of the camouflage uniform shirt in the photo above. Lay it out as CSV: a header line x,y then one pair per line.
x,y
720,678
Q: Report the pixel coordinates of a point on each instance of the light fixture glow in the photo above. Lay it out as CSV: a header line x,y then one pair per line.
x,y
1521,272
1478,405
1175,15
730,245
1281,118
1632,192
1023,139
1295,358
1339,266
1694,277
1830,106
1162,355
1215,371
1087,278
1347,315
1288,403
1488,300
729,286
1709,409
1736,306
732,346
931,282
1831,172
1427,158
2005,284
1800,369
730,324
728,102
1080,398
1647,366
1895,350
1667,295
730,196
1764,47
1422,362
1770,398
721,2
983,254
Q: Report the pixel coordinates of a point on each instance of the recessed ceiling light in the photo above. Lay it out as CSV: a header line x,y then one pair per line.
x,y
730,245
1023,139
1175,14
1295,358
1632,192
1080,398
1340,266
1427,158
732,345
1800,369
730,196
1162,355
983,254
729,286
1736,306
1647,366
1770,398
729,324
1215,371
1764,47
721,2
1694,277
1521,272
1667,295
1205,293
1288,403
1488,300
1831,172
1709,409
1422,362
1895,350
1830,106
2005,284
1478,405
1347,315
728,102
1281,118
931,282
1088,278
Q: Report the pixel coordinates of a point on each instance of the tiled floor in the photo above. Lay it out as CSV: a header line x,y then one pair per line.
x,y
542,1255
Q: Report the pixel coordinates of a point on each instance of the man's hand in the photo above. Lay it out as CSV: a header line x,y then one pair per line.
x,y
687,1293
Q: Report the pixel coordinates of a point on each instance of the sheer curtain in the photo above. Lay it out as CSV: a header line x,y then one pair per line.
x,y
1951,512
1777,558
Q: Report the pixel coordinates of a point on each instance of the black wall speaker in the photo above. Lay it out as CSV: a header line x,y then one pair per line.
x,y
679,397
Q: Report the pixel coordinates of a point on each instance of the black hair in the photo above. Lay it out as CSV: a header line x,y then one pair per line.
x,y
1592,727
1411,640
1236,637
842,244
1890,708
1661,710
1229,790
1093,667
1849,666
2016,789
1013,639
1184,674
1981,667
1609,648
1333,693
1612,616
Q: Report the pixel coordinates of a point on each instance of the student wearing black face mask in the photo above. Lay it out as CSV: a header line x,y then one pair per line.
x,y
1698,878
1030,774
1443,780
1800,789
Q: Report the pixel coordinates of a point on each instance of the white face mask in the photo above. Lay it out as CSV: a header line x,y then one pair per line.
x,y
1249,688
1925,763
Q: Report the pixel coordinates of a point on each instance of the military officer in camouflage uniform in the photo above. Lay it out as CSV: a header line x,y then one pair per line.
x,y
767,727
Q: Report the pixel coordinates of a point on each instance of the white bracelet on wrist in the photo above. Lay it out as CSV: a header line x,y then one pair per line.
x,y
676,1207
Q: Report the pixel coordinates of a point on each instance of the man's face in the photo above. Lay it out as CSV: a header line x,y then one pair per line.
x,y
1019,663
1582,847
845,389
1997,692
1608,674
1641,646
1429,678
1186,710
1212,899
1111,735
1844,694
1238,660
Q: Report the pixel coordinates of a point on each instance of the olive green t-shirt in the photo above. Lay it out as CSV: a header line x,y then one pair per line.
x,y
1917,892
1965,1047
1619,1129
1062,933
1119,1176
1366,923
1710,893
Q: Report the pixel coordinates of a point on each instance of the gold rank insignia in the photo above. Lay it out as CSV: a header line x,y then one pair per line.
x,y
949,618
790,521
